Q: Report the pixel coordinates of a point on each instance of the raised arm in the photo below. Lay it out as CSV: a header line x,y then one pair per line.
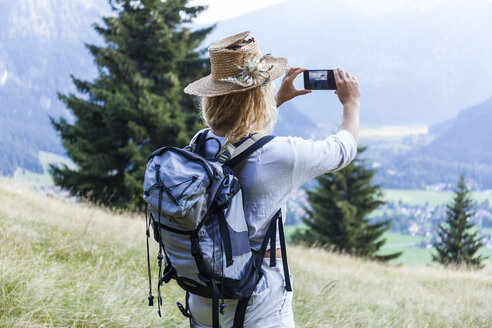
x,y
312,158
348,92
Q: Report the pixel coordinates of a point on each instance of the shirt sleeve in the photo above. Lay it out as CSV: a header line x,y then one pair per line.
x,y
313,158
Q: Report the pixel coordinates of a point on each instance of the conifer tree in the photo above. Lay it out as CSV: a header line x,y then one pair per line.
x,y
136,103
459,241
338,217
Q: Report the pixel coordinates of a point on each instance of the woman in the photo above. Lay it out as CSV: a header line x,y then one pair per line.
x,y
237,99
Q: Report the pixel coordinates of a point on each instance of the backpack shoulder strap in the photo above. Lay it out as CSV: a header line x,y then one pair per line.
x,y
242,150
198,141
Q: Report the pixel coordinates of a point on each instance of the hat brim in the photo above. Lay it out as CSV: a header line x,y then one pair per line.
x,y
209,87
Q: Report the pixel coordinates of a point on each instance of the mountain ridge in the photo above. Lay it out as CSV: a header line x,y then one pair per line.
x,y
460,146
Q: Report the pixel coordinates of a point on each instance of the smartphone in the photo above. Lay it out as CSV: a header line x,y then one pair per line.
x,y
319,79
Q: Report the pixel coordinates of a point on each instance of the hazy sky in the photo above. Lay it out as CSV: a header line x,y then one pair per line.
x,y
224,9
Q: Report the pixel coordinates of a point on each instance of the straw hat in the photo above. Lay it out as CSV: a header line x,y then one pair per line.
x,y
237,65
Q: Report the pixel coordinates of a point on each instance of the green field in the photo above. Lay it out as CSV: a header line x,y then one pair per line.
x,y
415,255
433,198
393,238
409,245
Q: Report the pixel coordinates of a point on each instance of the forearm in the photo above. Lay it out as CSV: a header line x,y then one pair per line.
x,y
278,101
350,120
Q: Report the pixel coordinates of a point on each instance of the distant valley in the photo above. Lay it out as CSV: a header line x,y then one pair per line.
x,y
458,146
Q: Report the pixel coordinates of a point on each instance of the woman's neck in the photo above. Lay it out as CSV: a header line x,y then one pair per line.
x,y
219,132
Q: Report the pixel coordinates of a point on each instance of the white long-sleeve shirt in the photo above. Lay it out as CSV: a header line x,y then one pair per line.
x,y
272,172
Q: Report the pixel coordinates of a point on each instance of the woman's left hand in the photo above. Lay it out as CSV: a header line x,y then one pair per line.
x,y
287,91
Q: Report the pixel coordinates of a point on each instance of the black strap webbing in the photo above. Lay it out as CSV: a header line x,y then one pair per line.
x,y
273,246
264,244
159,298
242,156
215,304
160,257
185,310
226,238
240,313
147,233
188,306
283,249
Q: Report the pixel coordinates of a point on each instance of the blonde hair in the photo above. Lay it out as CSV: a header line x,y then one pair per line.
x,y
239,114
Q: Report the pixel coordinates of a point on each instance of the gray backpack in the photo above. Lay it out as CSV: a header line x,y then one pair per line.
x,y
196,212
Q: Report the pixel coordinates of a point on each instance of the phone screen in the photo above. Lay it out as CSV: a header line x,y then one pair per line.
x,y
319,79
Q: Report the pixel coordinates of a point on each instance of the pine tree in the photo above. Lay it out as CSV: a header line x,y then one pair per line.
x,y
459,241
136,103
338,216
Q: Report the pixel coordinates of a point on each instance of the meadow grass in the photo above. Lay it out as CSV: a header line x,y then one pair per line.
x,y
64,264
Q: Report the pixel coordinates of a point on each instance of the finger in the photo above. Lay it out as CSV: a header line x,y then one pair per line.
x,y
292,70
287,74
338,77
347,75
341,73
336,73
297,72
294,74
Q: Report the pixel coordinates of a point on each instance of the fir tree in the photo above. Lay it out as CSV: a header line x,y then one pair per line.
x,y
338,216
136,103
459,241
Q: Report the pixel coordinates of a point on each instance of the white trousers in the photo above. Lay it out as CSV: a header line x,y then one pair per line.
x,y
270,305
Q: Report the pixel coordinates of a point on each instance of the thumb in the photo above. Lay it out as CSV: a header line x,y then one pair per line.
x,y
303,92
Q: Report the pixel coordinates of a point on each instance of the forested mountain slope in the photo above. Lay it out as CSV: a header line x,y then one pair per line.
x,y
41,43
462,145
414,61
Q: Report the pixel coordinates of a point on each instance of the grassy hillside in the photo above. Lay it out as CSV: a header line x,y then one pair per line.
x,y
74,265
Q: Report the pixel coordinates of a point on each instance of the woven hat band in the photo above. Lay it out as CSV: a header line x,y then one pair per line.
x,y
225,63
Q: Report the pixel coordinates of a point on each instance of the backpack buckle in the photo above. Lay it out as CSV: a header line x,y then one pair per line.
x,y
224,157
226,152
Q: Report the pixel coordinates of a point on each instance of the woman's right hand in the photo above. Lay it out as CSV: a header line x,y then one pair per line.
x,y
348,90
287,91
